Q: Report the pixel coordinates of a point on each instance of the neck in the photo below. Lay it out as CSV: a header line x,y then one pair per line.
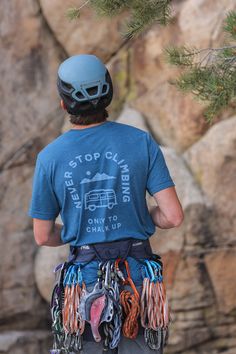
x,y
77,126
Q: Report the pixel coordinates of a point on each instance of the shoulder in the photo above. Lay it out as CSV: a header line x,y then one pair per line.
x,y
129,129
52,149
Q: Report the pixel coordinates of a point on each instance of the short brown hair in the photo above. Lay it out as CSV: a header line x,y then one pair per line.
x,y
89,118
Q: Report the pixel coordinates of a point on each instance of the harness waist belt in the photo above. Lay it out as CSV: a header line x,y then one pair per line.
x,y
111,250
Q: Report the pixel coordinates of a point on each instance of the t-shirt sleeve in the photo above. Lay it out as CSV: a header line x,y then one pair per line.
x,y
158,174
44,204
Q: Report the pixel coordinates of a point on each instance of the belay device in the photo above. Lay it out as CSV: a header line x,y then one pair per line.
x,y
113,306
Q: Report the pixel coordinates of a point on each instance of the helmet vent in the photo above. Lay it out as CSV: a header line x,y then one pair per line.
x,y
104,89
92,91
66,85
69,99
79,95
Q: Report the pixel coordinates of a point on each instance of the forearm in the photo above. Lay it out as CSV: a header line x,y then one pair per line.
x,y
159,218
55,238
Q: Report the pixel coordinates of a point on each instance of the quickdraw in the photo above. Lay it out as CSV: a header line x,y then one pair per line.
x,y
73,324
109,308
112,329
155,314
56,314
67,325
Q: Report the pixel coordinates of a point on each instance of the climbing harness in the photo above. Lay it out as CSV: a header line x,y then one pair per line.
x,y
137,249
114,305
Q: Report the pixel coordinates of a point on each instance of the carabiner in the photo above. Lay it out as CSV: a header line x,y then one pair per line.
x,y
149,271
157,271
107,275
72,276
67,276
79,276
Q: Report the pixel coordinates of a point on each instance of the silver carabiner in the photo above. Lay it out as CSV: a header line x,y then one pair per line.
x,y
107,275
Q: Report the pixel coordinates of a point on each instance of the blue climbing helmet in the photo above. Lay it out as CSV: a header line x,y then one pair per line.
x,y
84,84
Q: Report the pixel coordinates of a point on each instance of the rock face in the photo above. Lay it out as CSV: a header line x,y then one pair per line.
x,y
192,21
93,34
31,57
132,117
17,342
218,148
198,256
221,278
142,75
30,118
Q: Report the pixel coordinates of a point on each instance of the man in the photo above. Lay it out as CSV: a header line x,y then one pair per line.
x,y
96,176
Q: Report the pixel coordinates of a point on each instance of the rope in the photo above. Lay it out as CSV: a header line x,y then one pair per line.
x,y
130,304
131,307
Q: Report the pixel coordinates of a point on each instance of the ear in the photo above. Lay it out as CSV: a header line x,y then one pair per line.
x,y
63,105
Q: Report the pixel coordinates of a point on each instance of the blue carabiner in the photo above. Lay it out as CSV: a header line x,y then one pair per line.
x,y
73,276
79,276
149,271
155,264
70,277
67,276
157,271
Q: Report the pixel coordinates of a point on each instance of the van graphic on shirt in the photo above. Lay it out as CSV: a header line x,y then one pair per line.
x,y
100,198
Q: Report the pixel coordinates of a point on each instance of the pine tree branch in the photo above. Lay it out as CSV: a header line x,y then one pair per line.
x,y
143,13
209,73
230,24
73,13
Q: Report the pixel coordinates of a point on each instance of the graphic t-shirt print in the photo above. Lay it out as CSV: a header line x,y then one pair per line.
x,y
98,190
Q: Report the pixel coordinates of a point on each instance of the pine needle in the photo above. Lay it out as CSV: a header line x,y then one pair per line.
x,y
209,74
73,13
230,24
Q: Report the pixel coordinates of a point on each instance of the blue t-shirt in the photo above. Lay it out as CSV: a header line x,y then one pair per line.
x,y
96,179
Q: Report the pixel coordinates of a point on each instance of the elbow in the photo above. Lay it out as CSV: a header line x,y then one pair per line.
x,y
41,240
177,219
43,229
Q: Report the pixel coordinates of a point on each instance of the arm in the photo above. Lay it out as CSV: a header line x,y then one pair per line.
x,y
168,213
47,233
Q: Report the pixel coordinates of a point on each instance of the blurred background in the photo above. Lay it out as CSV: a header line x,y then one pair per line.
x,y
199,257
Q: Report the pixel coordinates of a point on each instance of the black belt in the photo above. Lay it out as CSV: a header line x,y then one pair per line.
x,y
111,250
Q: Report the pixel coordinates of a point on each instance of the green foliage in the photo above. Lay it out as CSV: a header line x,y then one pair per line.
x,y
182,56
143,13
230,24
73,13
209,74
108,8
